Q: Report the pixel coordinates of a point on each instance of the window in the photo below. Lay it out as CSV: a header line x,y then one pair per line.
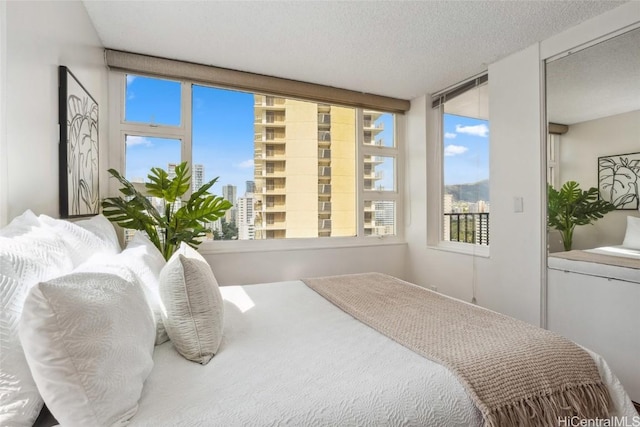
x,y
465,207
291,168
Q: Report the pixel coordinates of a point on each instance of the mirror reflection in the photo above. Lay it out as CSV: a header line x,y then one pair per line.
x,y
593,175
593,105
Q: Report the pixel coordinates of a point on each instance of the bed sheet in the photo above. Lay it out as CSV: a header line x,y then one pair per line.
x,y
289,357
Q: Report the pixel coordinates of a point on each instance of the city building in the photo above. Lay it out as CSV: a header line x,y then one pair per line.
x,y
245,221
229,193
305,168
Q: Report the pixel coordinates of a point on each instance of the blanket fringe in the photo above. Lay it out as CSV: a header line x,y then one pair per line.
x,y
585,401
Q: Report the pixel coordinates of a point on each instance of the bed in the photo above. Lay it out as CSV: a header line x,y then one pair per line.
x,y
359,349
290,357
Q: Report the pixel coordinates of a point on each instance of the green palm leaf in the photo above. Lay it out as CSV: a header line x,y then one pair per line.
x,y
167,229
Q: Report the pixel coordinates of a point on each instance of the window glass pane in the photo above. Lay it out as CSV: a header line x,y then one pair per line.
x,y
153,101
287,166
466,167
379,217
144,153
379,173
379,128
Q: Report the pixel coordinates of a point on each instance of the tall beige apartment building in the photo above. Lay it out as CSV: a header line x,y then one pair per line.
x,y
305,168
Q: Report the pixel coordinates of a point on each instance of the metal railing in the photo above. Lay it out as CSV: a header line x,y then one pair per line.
x,y
467,227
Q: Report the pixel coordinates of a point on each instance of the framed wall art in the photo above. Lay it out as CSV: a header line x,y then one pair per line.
x,y
78,150
619,180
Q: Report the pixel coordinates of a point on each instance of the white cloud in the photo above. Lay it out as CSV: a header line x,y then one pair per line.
x,y
246,164
133,140
130,79
454,150
477,130
450,135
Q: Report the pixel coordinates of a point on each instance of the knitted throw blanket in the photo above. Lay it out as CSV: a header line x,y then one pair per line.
x,y
515,373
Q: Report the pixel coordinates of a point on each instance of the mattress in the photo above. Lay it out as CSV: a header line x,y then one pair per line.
x,y
289,357
598,269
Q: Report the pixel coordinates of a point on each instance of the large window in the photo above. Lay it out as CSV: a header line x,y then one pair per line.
x,y
291,168
465,164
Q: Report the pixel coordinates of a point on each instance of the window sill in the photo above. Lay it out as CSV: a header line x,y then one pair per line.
x,y
248,246
462,248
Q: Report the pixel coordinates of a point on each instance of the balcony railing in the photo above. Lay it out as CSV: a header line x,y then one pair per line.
x,y
467,227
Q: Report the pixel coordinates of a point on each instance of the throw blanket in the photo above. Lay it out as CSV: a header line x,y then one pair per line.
x,y
515,373
577,255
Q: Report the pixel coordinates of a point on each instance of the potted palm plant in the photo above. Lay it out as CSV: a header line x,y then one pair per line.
x,y
178,221
571,207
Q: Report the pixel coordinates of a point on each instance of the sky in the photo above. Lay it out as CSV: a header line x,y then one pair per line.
x,y
466,149
223,135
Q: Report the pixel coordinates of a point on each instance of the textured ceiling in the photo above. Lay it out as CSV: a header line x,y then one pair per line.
x,y
402,49
600,81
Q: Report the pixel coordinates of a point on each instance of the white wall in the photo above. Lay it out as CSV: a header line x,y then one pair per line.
x,y
3,110
509,279
580,148
40,36
241,268
512,279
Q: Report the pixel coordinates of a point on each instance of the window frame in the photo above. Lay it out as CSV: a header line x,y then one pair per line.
x,y
119,128
435,173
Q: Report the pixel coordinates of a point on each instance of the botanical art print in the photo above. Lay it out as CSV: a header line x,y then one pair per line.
x,y
619,180
78,154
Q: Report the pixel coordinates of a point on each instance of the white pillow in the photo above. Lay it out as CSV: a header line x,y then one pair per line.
x,y
632,235
140,261
82,242
103,228
29,253
194,314
88,338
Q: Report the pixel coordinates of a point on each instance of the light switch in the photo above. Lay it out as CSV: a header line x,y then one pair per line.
x,y
518,205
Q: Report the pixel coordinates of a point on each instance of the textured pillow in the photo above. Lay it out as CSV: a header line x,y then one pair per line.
x,y
82,242
103,228
140,261
29,253
87,357
194,309
632,235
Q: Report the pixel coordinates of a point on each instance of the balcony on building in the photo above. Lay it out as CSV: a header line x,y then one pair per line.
x,y
324,138
324,171
324,155
324,224
324,207
374,160
324,189
268,102
324,120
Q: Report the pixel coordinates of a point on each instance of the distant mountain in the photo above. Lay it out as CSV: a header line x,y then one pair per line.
x,y
469,192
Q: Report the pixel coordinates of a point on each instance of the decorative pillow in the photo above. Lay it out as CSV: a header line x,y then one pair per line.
x,y
194,309
140,261
29,253
103,228
82,242
86,356
632,235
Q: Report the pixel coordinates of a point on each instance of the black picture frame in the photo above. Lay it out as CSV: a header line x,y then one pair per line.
x,y
619,180
78,148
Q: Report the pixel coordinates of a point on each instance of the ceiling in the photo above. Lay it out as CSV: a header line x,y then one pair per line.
x,y
401,49
599,81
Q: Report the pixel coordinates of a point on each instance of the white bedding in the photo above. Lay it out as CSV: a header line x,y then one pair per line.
x,y
600,270
289,357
